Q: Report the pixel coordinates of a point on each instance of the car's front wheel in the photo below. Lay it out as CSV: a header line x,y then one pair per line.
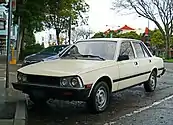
x,y
99,98
150,85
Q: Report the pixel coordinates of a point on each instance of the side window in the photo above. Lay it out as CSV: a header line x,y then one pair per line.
x,y
147,54
139,50
126,49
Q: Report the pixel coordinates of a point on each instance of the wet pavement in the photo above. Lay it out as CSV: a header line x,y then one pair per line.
x,y
157,115
129,107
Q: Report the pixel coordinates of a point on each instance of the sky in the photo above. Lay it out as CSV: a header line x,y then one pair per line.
x,y
101,14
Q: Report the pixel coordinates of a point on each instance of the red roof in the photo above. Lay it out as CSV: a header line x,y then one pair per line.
x,y
146,30
125,28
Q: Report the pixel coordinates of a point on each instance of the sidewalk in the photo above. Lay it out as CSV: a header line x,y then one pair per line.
x,y
12,102
12,106
2,59
12,68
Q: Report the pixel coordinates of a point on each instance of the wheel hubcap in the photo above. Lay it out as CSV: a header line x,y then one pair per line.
x,y
152,82
101,97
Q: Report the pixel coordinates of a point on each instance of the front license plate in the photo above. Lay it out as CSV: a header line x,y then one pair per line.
x,y
38,93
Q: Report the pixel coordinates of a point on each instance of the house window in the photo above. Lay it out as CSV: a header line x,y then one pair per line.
x,y
2,25
1,15
4,16
13,30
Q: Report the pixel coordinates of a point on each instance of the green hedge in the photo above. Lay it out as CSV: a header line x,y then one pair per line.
x,y
169,60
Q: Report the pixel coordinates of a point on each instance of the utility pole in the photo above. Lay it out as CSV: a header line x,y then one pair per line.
x,y
69,29
8,42
17,41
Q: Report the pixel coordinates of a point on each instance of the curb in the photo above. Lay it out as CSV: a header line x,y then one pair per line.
x,y
168,70
167,62
20,117
6,122
21,113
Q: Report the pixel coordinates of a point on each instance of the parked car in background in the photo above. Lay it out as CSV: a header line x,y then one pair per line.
x,y
48,53
90,70
56,56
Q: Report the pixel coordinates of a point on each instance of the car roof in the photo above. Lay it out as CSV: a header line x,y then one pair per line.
x,y
109,39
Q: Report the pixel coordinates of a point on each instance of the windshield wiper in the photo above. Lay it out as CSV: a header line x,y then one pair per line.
x,y
70,56
94,56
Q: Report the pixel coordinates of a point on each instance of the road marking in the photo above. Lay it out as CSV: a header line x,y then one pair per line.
x,y
141,109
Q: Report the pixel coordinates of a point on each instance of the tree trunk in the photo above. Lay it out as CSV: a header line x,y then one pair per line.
x,y
167,40
69,30
57,36
21,54
19,42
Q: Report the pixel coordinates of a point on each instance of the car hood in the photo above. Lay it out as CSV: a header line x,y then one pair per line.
x,y
62,67
39,56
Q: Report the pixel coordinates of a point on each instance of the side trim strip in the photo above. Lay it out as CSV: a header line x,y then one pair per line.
x,y
128,77
161,68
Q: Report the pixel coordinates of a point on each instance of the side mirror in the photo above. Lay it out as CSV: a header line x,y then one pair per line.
x,y
123,57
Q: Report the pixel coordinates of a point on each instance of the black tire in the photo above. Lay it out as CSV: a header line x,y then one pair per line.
x,y
150,85
103,96
40,101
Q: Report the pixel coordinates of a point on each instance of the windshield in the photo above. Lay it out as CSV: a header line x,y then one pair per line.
x,y
63,50
53,49
103,50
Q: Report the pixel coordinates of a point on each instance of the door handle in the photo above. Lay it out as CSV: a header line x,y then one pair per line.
x,y
136,63
149,60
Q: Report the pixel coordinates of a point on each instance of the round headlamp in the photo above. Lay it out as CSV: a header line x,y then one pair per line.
x,y
74,82
24,78
19,77
64,82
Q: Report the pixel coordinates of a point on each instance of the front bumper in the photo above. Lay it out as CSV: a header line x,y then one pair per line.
x,y
76,94
163,71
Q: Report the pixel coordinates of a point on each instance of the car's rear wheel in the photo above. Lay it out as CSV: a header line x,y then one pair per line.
x,y
99,98
150,85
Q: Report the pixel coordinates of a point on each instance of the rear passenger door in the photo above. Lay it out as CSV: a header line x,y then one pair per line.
x,y
145,61
127,68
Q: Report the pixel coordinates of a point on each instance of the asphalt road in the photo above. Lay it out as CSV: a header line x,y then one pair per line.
x,y
130,107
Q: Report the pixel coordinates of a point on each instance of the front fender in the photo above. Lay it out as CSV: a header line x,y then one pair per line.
x,y
95,82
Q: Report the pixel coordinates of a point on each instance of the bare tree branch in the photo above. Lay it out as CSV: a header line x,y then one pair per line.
x,y
81,33
154,10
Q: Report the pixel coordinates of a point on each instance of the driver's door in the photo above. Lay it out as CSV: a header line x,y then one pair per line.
x,y
127,68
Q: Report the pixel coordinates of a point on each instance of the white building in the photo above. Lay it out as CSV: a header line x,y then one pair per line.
x,y
4,31
47,37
